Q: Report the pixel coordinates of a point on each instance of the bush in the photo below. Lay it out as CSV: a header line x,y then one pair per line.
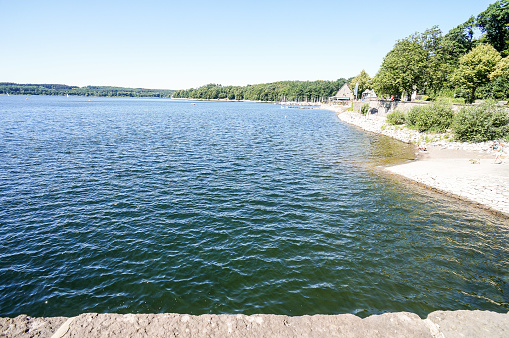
x,y
479,123
435,116
364,109
396,117
411,118
498,89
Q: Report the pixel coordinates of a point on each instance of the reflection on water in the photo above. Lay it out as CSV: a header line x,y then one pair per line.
x,y
385,151
147,206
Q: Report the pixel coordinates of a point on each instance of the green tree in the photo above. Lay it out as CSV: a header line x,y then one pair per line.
x,y
438,59
363,80
501,69
475,67
494,23
429,40
497,89
460,40
403,69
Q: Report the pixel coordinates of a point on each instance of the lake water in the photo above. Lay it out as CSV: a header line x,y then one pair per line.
x,y
149,206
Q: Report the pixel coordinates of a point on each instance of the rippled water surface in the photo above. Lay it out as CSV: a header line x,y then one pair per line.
x,y
147,206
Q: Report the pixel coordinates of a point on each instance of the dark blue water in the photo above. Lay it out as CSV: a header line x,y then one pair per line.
x,y
147,206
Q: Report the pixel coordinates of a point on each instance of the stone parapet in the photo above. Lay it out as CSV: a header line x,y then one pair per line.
x,y
401,324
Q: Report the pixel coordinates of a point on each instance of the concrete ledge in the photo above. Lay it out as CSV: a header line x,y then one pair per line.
x,y
401,324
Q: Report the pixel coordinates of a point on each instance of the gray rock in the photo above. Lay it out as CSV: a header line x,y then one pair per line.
x,y
401,324
471,323
25,326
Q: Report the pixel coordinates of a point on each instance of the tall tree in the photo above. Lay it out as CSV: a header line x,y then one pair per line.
x,y
403,69
475,67
494,23
438,57
363,80
429,40
460,40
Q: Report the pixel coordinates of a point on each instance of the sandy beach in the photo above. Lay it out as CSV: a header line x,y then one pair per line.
x,y
464,170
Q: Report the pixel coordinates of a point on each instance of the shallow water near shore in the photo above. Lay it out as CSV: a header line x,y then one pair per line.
x,y
149,206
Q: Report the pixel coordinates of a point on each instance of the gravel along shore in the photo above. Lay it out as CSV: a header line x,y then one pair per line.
x,y
465,170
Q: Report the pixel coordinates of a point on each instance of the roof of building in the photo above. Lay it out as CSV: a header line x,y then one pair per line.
x,y
342,91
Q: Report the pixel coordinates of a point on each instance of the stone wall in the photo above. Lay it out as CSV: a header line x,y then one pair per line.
x,y
399,324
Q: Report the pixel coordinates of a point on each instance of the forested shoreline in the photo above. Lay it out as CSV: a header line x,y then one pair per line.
x,y
60,90
275,91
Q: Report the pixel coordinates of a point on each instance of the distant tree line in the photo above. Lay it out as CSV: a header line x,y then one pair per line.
x,y
275,91
59,89
452,65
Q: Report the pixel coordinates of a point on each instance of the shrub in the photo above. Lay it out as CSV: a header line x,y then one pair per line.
x,y
411,118
498,89
364,109
479,123
396,117
435,116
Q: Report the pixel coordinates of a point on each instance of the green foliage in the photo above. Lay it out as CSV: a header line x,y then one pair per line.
x,y
475,67
456,61
58,89
501,69
402,70
396,117
434,117
479,123
276,91
363,80
460,40
364,109
429,40
494,23
498,89
412,116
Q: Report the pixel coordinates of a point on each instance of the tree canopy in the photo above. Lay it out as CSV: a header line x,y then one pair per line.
x,y
275,91
456,63
494,23
59,89
501,69
363,80
403,69
475,68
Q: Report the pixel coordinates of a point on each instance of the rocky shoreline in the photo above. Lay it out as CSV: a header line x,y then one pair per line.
x,y
464,170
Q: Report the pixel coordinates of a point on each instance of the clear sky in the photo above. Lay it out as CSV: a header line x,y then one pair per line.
x,y
185,44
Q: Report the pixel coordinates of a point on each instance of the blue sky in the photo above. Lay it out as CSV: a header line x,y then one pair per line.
x,y
185,44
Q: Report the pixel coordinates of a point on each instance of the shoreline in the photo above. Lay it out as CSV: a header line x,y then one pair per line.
x,y
465,171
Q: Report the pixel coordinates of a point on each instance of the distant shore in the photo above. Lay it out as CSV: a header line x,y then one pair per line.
x,y
464,170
